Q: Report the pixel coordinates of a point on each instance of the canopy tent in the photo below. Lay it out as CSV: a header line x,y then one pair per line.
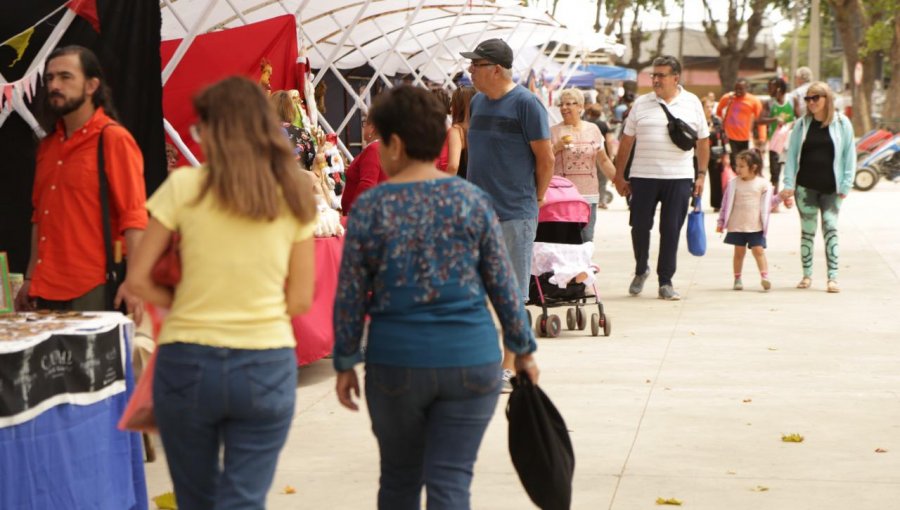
x,y
419,38
610,73
530,57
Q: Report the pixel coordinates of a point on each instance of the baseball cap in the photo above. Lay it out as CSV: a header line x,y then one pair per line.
x,y
492,50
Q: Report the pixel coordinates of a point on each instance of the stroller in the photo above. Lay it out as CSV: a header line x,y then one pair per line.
x,y
561,265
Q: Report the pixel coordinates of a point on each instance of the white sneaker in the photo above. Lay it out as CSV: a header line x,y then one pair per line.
x,y
507,375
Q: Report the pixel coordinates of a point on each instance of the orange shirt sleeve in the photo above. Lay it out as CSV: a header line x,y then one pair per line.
x,y
125,171
720,109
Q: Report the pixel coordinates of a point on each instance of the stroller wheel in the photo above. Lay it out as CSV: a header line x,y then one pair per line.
x,y
595,324
607,327
540,325
553,326
570,319
580,321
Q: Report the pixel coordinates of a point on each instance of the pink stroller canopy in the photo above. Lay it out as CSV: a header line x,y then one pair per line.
x,y
564,203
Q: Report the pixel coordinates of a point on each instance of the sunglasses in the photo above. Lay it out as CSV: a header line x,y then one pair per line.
x,y
812,98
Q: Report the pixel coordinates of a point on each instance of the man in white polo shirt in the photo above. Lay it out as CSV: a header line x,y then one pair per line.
x,y
661,173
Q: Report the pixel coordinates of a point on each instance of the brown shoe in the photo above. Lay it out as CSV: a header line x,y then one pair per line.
x,y
804,283
833,287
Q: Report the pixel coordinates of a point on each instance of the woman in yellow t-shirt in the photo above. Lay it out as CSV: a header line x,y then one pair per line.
x,y
225,371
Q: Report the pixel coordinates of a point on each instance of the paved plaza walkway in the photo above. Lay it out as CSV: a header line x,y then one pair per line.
x,y
688,399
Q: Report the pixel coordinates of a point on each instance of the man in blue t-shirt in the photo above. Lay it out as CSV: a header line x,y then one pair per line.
x,y
510,156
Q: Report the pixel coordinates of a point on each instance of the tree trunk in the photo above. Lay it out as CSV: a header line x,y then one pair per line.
x,y
731,49
891,116
728,71
846,13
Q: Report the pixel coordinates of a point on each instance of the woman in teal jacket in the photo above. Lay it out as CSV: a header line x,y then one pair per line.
x,y
821,162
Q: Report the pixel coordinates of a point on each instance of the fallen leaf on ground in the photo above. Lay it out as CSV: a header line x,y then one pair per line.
x,y
880,450
166,501
759,488
792,438
668,501
693,333
747,400
667,389
647,381
289,490
773,348
730,472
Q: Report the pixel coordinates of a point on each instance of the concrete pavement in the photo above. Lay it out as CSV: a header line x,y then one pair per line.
x,y
687,399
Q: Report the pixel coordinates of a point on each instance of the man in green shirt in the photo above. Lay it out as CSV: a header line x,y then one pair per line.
x,y
780,111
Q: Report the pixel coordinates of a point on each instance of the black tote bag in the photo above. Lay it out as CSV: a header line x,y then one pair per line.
x,y
539,445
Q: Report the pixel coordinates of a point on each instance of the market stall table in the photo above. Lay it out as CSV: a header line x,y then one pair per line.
x,y
314,330
64,381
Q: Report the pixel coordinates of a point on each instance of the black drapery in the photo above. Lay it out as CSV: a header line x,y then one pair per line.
x,y
128,48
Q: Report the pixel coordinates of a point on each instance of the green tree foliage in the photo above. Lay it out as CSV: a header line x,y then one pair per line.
x,y
742,15
832,64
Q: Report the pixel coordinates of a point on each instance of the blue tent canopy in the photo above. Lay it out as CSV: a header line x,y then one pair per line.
x,y
610,73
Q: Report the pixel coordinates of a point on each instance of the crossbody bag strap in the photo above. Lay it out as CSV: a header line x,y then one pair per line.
x,y
104,208
728,108
668,113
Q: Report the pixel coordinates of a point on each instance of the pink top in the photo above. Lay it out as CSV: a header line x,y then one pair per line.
x,y
577,161
746,214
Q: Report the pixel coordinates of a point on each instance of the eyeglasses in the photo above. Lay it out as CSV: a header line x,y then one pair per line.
x,y
813,98
195,132
659,76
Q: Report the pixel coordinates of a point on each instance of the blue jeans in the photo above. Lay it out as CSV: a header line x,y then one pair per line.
x,y
429,423
209,398
518,235
587,233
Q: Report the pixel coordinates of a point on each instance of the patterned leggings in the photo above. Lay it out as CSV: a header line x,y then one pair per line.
x,y
809,203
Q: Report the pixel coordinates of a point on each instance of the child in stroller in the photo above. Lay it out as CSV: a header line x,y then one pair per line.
x,y
561,265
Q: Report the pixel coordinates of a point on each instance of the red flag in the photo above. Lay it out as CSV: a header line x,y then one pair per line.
x,y
87,9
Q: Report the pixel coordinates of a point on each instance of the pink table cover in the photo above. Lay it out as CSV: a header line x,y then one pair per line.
x,y
314,330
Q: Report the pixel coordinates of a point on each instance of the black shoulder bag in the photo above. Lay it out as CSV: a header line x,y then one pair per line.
x,y
682,135
115,271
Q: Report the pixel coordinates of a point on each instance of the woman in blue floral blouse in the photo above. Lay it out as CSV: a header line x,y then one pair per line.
x,y
422,252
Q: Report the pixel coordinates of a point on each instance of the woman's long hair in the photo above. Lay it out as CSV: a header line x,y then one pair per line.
x,y
283,105
821,88
251,166
459,104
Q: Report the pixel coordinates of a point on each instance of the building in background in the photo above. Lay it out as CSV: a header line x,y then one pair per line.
x,y
700,60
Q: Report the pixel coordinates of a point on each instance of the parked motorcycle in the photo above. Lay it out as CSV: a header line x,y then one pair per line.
x,y
883,161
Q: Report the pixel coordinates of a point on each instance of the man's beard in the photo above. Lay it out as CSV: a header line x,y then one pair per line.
x,y
68,106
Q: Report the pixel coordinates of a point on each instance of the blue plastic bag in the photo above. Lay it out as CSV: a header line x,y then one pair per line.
x,y
696,233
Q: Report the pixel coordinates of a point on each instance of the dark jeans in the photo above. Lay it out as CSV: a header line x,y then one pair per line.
x,y
429,423
92,301
774,168
716,166
209,398
675,197
736,148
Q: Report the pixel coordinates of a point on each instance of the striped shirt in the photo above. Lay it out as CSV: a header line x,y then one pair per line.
x,y
655,156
